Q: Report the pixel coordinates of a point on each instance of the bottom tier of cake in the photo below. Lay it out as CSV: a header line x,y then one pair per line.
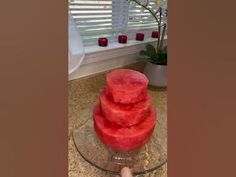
x,y
123,138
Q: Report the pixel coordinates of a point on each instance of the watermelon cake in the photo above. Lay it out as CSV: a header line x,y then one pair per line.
x,y
124,118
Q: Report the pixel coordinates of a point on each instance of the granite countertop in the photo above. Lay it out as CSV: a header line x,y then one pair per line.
x,y
83,93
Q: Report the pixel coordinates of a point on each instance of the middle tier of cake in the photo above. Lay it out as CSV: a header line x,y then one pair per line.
x,y
125,115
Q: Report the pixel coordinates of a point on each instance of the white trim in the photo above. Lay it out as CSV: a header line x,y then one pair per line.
x,y
101,66
99,59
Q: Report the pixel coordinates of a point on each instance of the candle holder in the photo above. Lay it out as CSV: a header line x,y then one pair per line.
x,y
103,42
139,36
122,39
155,34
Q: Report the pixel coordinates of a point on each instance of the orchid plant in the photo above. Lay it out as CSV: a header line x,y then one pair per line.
x,y
158,54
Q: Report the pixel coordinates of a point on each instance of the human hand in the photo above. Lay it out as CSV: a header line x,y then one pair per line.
x,y
126,172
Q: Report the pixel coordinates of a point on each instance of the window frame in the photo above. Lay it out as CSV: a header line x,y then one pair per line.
x,y
99,59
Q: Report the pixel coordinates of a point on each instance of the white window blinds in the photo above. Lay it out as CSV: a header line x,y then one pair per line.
x,y
140,18
93,17
108,18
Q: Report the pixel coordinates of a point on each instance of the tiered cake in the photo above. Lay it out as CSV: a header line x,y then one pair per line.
x,y
124,119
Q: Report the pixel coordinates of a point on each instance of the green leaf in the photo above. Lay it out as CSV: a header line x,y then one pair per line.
x,y
162,58
143,56
152,56
151,51
143,53
144,59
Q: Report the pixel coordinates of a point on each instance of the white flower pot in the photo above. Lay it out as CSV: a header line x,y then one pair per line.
x,y
157,74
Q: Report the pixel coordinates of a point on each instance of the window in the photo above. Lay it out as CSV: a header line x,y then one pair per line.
x,y
108,18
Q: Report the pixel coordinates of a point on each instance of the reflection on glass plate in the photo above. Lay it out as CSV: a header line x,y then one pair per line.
x,y
149,157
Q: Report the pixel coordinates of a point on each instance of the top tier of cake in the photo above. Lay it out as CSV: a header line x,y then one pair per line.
x,y
126,86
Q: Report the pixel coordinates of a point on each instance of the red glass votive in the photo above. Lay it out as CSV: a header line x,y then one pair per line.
x,y
155,34
139,36
103,42
122,39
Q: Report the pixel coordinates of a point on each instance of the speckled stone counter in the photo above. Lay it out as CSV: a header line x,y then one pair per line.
x,y
83,93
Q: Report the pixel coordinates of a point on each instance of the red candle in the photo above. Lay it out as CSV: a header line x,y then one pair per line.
x,y
139,36
155,34
102,41
122,39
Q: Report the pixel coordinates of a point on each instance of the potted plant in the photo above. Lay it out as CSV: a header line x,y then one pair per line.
x,y
155,56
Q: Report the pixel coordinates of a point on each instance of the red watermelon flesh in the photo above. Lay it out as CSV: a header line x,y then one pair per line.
x,y
126,86
123,138
124,114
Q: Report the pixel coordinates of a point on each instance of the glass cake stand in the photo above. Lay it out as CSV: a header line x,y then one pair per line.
x,y
149,157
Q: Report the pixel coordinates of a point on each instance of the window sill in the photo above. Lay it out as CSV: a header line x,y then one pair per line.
x,y
116,45
99,59
114,50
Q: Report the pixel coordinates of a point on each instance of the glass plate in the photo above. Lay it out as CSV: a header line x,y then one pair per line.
x,y
149,157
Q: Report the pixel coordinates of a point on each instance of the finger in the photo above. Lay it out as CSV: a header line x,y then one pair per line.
x,y
126,172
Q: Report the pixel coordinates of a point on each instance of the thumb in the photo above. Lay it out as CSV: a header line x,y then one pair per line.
x,y
126,172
